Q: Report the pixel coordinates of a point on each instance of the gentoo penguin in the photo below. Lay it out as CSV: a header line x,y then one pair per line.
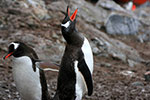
x,y
75,73
28,76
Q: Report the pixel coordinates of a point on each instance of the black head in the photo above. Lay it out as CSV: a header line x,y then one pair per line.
x,y
19,49
68,24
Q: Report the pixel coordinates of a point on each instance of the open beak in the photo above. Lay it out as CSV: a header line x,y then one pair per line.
x,y
73,15
8,55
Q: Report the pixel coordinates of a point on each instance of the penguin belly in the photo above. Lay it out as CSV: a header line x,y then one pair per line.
x,y
80,85
27,81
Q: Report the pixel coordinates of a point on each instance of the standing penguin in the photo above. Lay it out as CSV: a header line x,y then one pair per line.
x,y
75,74
28,76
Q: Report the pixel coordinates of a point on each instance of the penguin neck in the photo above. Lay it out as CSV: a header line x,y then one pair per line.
x,y
73,38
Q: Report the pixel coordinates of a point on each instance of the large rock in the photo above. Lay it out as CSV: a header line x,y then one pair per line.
x,y
143,15
113,47
122,24
145,37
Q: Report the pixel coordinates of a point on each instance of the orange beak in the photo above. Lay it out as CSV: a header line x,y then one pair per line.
x,y
8,55
73,15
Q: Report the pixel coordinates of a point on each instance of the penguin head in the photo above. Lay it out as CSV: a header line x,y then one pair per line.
x,y
68,24
19,49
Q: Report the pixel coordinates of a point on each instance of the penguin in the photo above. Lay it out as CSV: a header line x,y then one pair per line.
x,y
76,68
27,72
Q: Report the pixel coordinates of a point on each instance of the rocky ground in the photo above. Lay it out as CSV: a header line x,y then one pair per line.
x,y
119,40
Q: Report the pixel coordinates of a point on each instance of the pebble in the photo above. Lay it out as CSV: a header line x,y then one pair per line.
x,y
127,73
138,83
147,76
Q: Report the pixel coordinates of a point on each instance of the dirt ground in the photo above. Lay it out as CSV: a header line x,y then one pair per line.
x,y
109,82
113,79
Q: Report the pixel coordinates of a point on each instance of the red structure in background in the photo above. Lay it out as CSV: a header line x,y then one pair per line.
x,y
139,2
135,2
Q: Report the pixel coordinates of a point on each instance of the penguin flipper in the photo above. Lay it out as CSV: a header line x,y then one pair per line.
x,y
83,68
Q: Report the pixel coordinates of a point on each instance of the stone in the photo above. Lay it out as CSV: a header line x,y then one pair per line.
x,y
5,3
138,83
113,47
144,37
108,65
95,51
57,6
143,12
122,25
37,8
147,76
109,4
128,73
132,63
144,16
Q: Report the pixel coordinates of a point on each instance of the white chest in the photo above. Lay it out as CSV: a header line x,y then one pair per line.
x,y
27,81
80,85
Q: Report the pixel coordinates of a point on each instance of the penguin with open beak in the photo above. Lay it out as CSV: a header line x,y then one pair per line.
x,y
75,74
28,75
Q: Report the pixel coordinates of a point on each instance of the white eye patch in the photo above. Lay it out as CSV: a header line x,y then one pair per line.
x,y
16,45
66,24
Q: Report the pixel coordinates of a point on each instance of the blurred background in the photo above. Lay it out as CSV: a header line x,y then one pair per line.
x,y
118,31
